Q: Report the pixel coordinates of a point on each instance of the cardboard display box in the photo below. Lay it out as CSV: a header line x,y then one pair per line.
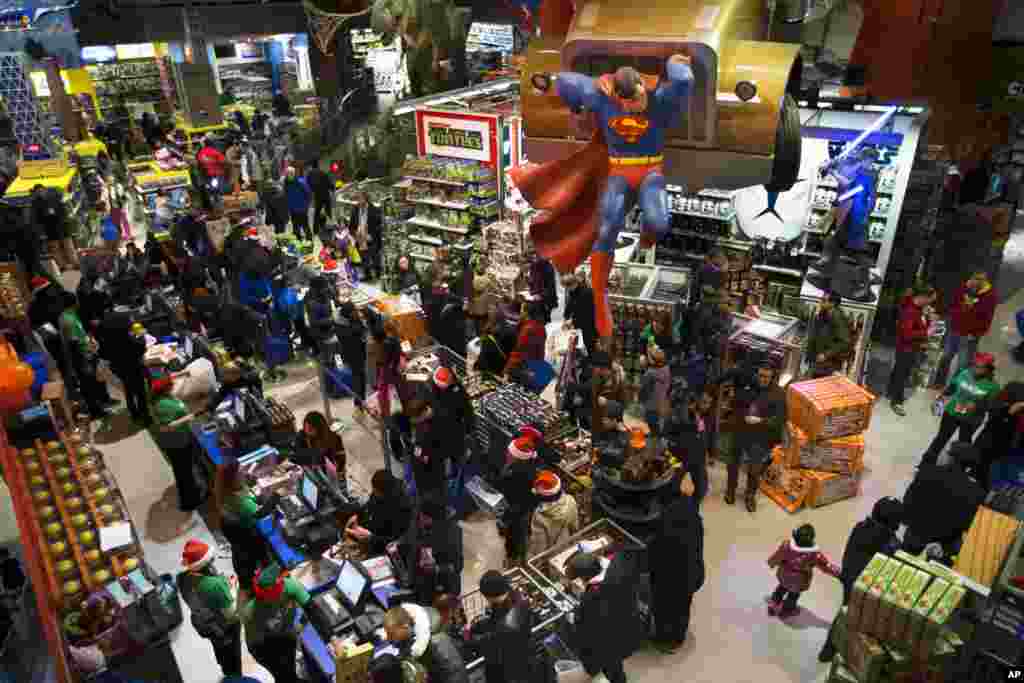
x,y
843,455
829,487
861,586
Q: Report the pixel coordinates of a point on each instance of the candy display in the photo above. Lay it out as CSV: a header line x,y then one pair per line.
x,y
511,407
13,299
69,515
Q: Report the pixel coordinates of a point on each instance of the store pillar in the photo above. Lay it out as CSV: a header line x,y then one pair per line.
x,y
274,53
200,101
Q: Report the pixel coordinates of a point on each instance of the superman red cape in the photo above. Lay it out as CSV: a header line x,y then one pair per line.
x,y
568,192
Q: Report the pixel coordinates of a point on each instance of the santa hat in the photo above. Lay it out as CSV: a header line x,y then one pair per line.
x,y
984,360
252,233
547,486
443,378
524,447
37,283
196,555
330,265
162,385
268,584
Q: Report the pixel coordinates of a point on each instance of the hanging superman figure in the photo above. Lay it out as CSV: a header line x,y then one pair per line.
x,y
585,197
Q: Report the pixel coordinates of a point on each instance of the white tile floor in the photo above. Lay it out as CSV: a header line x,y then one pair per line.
x,y
731,638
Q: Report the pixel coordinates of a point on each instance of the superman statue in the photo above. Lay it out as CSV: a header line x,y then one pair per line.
x,y
585,198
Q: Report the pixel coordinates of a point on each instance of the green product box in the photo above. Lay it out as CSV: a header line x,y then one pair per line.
x,y
890,598
869,611
860,589
934,628
866,658
838,673
841,630
947,604
904,600
930,597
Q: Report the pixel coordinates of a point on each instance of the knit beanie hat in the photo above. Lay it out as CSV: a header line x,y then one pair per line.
x,y
443,377
524,447
803,536
547,486
888,511
268,584
38,283
493,584
196,555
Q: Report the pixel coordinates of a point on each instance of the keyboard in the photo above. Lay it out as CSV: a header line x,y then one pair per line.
x,y
328,614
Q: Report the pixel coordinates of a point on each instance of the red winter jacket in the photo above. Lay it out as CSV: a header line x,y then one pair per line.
x,y
212,161
913,328
973,319
796,565
529,344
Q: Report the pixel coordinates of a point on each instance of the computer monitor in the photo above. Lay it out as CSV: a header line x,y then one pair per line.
x,y
351,583
310,492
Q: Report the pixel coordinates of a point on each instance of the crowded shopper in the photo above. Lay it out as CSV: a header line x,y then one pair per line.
x,y
83,351
482,303
213,601
542,286
1003,433
963,404
911,336
408,279
494,349
531,342
213,165
579,309
795,561
876,534
657,334
677,569
352,334
608,626
516,483
317,435
385,517
320,185
240,514
299,197
452,415
174,437
829,344
761,422
654,391
366,223
688,434
971,312
49,213
503,635
433,551
556,516
270,621
416,633
123,345
941,502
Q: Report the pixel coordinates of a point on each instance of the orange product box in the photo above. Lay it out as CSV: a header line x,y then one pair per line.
x,y
829,407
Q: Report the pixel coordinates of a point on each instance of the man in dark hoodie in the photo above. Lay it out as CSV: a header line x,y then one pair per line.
x,y
352,337
432,548
323,190
579,309
941,501
911,335
760,409
503,635
876,534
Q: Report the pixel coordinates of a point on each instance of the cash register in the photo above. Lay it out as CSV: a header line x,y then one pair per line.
x,y
310,514
348,606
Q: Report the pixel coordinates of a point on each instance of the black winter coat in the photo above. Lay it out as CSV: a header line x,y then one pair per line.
x,y
444,538
940,503
866,539
387,519
608,626
579,307
677,551
503,638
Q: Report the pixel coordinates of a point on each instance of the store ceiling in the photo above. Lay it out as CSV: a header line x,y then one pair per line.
x,y
133,21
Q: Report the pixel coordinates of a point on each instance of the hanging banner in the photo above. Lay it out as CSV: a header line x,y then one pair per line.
x,y
457,135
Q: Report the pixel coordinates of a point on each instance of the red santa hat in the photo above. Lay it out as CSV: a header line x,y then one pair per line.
x,y
547,486
37,283
252,233
443,377
524,447
196,555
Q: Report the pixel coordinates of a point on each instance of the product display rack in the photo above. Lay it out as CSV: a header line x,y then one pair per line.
x,y
488,37
137,81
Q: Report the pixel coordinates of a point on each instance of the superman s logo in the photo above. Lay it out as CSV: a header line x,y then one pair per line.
x,y
630,127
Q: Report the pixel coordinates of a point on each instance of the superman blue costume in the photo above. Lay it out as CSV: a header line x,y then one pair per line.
x,y
586,196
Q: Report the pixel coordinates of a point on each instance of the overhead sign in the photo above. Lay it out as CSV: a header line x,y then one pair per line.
x,y
457,135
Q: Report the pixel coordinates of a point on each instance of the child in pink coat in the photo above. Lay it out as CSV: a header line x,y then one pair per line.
x,y
796,560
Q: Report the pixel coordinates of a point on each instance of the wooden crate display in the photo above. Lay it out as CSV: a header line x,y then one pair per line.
x,y
844,454
829,407
824,488
985,545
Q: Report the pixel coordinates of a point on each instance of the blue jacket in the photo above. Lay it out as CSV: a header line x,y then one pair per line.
x,y
630,134
252,291
298,193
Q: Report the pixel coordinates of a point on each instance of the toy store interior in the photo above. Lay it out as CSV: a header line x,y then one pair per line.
x,y
373,341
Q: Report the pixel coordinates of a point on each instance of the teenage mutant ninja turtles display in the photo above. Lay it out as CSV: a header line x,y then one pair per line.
x,y
433,33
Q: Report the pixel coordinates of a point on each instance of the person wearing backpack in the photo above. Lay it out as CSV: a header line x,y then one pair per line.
x,y
211,597
270,621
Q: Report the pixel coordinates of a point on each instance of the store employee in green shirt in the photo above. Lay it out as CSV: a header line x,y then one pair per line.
x,y
968,397
270,621
239,515
213,600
